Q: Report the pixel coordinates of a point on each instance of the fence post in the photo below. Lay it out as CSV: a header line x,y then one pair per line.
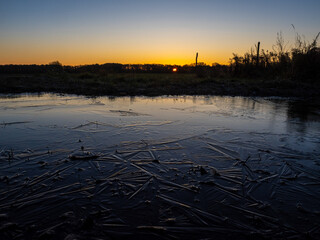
x,y
258,49
197,59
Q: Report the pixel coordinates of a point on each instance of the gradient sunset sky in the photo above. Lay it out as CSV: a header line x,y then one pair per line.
x,y
78,32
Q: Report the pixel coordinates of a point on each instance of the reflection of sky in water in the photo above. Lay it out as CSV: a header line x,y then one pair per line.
x,y
53,118
210,157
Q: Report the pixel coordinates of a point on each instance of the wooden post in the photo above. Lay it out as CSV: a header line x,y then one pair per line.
x,y
258,49
197,59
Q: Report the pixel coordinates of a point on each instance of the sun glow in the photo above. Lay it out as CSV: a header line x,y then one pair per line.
x,y
174,70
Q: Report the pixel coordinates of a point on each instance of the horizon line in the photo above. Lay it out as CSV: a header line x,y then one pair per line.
x,y
75,65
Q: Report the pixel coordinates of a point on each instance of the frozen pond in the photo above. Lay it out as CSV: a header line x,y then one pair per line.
x,y
158,167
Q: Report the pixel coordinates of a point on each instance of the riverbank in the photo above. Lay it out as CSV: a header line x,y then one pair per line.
x,y
149,84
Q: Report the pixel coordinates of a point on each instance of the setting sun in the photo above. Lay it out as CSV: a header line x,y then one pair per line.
x,y
174,70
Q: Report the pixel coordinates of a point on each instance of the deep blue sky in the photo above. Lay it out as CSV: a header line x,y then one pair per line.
x,y
141,31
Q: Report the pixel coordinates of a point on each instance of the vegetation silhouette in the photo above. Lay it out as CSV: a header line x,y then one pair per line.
x,y
281,71
301,63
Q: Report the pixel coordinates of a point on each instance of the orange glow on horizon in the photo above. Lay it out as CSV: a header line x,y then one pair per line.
x,y
69,62
75,54
174,70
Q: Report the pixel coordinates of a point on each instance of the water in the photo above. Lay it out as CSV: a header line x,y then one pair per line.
x,y
164,151
46,118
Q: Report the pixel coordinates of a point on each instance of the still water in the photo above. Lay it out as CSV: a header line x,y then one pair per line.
x,y
141,167
48,120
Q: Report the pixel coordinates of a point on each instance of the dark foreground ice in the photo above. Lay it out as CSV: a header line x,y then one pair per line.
x,y
158,168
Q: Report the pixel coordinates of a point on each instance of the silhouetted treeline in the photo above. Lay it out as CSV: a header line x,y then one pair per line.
x,y
202,70
30,69
94,68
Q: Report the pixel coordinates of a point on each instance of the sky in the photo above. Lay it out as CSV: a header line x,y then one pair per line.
x,y
78,32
